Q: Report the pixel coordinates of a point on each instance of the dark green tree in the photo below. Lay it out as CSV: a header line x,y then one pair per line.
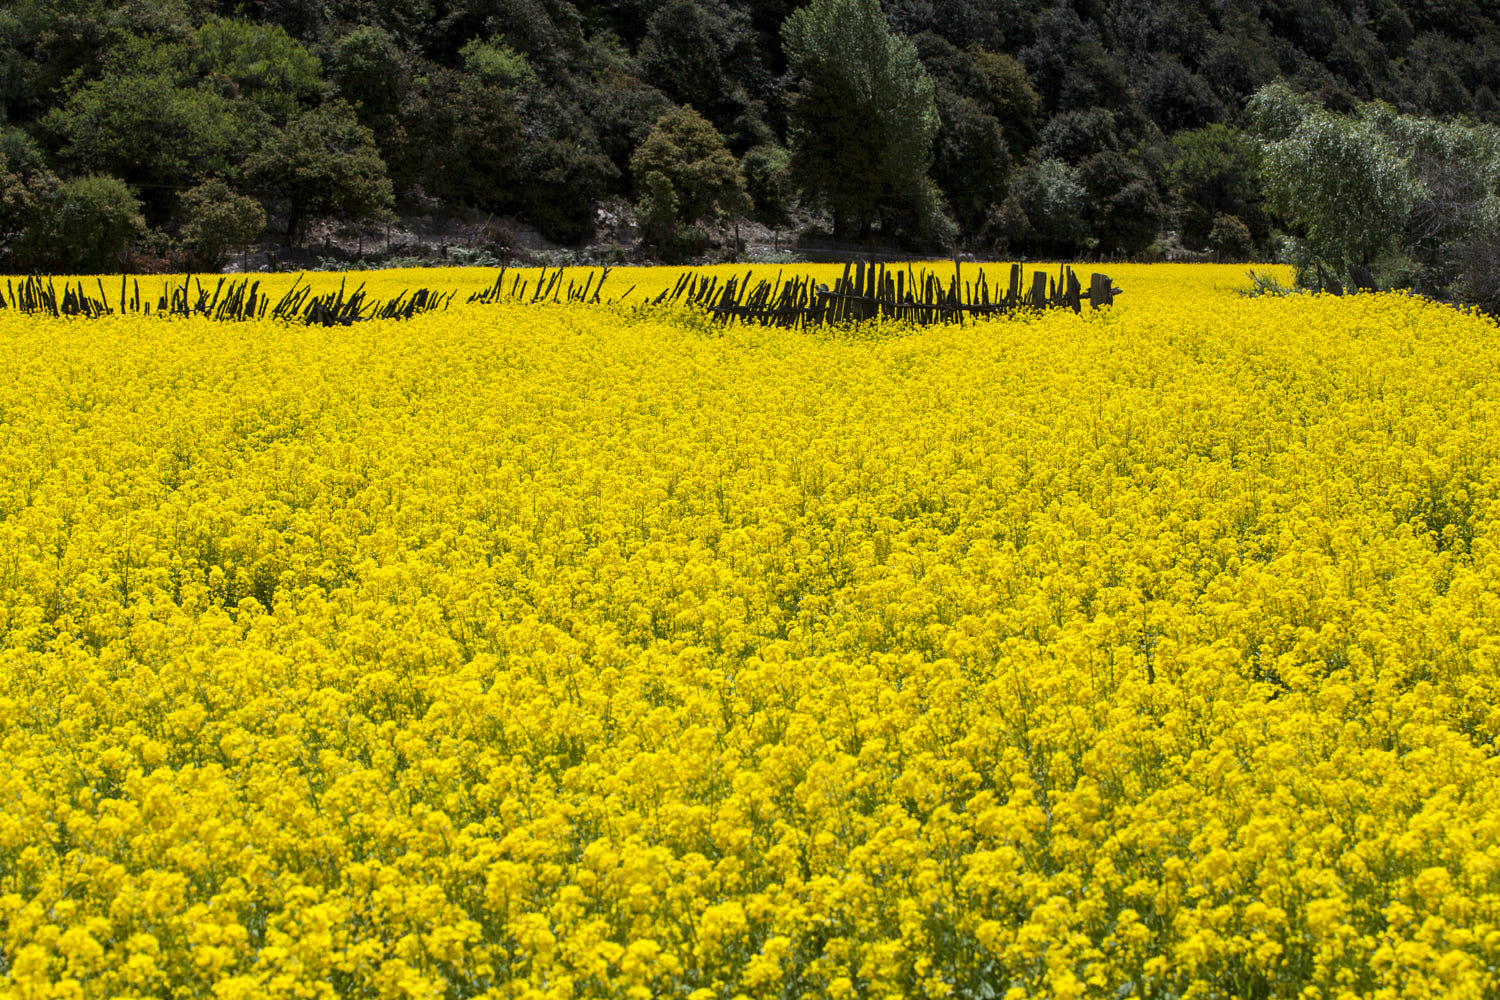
x,y
85,226
323,164
563,171
862,118
367,70
26,193
1124,211
219,221
1216,172
1052,197
680,54
685,174
148,121
1002,89
972,161
455,119
768,182
1074,136
1229,238
260,62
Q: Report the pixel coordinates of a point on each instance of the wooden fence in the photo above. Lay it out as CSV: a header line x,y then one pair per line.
x,y
878,291
226,301
864,292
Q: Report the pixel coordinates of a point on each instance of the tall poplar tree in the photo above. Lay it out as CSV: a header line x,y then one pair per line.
x,y
862,118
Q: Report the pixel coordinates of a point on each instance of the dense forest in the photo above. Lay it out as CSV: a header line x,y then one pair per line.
x,y
187,129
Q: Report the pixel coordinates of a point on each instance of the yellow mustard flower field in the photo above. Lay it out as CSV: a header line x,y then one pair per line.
x,y
573,650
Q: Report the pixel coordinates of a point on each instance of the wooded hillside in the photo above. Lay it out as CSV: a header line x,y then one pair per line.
x,y
1009,126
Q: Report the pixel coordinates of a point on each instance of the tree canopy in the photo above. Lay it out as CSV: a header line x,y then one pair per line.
x,y
862,116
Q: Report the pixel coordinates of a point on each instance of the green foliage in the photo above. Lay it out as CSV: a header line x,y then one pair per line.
x,y
219,221
684,148
680,54
1275,111
684,174
1052,197
622,108
1070,66
971,161
703,53
1004,91
1340,184
1074,136
367,70
1449,233
656,211
261,62
1216,172
549,33
448,118
563,172
986,115
534,108
1230,239
497,63
324,164
1175,97
1006,227
768,182
1124,212
25,196
19,151
862,119
151,125
84,226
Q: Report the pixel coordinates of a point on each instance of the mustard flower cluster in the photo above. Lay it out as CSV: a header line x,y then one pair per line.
x,y
547,651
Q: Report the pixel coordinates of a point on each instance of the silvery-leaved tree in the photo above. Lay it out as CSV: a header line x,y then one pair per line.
x,y
1341,185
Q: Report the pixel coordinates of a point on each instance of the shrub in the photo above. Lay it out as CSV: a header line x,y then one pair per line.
x,y
87,225
219,221
1230,238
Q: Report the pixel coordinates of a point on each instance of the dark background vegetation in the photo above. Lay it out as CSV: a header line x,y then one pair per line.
x,y
145,134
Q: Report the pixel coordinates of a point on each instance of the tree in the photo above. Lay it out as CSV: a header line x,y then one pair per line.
x,y
1338,182
263,63
368,71
1124,211
148,122
1074,136
981,116
863,116
681,56
1053,200
768,182
87,225
1216,172
25,194
972,162
460,139
1452,224
1003,90
324,164
563,172
1230,239
220,221
684,173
